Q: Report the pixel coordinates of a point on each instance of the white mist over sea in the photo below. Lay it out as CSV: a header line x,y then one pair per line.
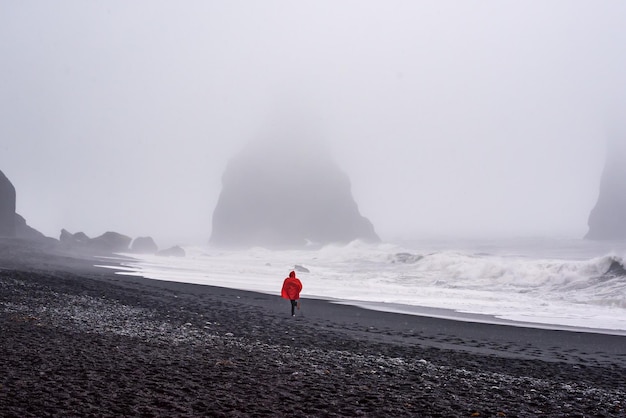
x,y
549,283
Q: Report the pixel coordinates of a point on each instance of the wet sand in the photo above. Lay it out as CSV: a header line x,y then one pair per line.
x,y
81,341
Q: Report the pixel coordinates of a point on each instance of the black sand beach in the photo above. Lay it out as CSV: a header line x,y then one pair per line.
x,y
76,340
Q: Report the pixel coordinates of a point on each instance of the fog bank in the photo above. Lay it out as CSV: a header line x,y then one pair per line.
x,y
455,118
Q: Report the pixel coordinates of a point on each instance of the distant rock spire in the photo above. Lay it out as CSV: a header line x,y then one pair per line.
x,y
7,207
286,192
607,220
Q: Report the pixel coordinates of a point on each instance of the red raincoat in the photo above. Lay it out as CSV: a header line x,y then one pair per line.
x,y
291,287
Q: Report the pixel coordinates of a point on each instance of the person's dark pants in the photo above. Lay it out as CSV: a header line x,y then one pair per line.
x,y
294,303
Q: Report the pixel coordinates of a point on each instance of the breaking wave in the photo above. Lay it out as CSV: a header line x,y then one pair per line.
x,y
530,286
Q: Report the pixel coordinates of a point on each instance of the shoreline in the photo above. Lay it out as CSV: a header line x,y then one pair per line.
x,y
502,339
546,312
79,341
454,315
424,311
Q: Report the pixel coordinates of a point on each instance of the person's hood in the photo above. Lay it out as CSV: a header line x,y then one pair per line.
x,y
292,274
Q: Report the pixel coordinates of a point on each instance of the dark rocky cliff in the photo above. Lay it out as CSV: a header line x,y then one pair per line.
x,y
13,225
7,207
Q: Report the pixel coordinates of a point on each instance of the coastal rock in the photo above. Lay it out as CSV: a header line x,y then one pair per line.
x,y
68,239
406,258
7,207
607,220
111,241
12,224
283,193
175,251
144,245
301,269
107,242
23,230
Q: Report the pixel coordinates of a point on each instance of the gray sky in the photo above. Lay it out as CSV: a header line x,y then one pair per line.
x,y
451,118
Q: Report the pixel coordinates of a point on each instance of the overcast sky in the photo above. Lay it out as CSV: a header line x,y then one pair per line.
x,y
451,118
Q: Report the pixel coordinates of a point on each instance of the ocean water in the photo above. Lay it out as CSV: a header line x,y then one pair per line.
x,y
548,283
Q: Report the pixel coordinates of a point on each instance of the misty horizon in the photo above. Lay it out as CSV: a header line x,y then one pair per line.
x,y
450,119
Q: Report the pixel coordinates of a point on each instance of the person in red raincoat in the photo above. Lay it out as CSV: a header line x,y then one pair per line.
x,y
292,286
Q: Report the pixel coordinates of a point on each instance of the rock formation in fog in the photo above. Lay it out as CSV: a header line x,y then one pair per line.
x,y
12,224
144,245
607,220
107,242
7,207
283,192
174,251
24,231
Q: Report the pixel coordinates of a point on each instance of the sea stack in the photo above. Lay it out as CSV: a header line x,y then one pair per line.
x,y
7,207
607,220
286,192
